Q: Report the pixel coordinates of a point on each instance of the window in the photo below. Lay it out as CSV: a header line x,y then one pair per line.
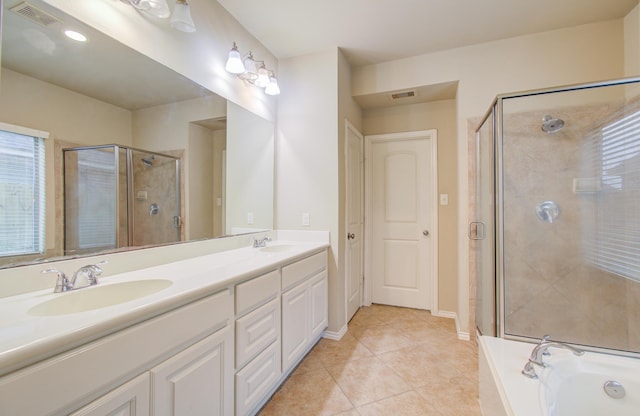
x,y
22,192
617,242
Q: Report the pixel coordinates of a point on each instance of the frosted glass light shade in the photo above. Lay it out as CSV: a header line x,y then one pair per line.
x,y
234,62
272,88
263,77
251,72
181,19
157,8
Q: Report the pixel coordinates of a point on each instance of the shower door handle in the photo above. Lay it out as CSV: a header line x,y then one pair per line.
x,y
476,230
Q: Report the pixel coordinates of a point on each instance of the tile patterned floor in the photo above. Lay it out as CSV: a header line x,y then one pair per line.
x,y
392,361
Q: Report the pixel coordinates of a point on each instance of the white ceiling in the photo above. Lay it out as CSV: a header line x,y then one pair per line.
x,y
372,31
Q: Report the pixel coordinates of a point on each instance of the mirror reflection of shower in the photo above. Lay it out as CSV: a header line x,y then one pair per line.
x,y
551,125
107,194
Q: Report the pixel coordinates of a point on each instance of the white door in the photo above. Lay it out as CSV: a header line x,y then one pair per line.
x,y
354,215
402,175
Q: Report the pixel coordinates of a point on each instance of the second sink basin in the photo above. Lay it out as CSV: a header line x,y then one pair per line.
x,y
99,296
279,248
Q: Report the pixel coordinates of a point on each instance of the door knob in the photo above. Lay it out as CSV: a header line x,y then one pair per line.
x,y
351,236
425,233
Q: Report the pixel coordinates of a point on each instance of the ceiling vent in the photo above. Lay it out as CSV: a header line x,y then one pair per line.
x,y
34,14
403,94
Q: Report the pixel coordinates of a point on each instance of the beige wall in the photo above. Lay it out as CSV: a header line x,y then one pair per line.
x,y
199,220
219,153
249,179
440,115
632,43
567,56
307,161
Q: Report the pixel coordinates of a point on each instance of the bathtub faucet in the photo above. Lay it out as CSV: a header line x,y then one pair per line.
x,y
541,350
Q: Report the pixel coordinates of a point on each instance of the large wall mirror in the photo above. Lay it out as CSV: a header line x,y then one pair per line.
x,y
148,136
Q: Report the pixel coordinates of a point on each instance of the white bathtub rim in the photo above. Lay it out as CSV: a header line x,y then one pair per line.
x,y
521,396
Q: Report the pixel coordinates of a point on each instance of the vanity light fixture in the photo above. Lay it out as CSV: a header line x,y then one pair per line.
x,y
252,71
180,20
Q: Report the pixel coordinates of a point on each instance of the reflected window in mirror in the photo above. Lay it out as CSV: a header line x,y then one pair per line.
x,y
22,193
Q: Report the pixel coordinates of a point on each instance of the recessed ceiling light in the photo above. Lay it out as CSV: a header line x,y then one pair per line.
x,y
77,36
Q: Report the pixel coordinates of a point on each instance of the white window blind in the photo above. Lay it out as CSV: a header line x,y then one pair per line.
x,y
617,239
22,194
97,203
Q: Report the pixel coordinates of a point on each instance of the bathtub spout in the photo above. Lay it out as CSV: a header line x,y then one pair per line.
x,y
541,350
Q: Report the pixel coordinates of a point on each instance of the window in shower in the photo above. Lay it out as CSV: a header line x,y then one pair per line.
x,y
96,202
22,194
617,241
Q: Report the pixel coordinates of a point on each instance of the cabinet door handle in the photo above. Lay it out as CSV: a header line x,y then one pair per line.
x,y
425,233
351,236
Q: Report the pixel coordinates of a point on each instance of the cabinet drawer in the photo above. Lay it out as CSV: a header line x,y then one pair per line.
x,y
255,380
256,330
303,269
257,291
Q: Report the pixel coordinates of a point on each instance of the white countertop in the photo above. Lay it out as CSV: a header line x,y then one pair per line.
x,y
26,339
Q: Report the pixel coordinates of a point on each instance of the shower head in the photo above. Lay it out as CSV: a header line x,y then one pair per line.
x,y
551,125
148,162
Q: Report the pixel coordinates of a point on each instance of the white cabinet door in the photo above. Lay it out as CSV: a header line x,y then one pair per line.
x,y
295,324
318,298
130,399
197,381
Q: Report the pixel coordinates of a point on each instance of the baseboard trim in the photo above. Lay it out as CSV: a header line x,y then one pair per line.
x,y
462,335
336,336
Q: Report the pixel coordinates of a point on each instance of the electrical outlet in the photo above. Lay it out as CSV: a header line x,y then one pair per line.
x,y
250,218
305,219
444,199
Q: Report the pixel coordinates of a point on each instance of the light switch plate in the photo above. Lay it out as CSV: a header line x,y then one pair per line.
x,y
444,199
250,218
305,219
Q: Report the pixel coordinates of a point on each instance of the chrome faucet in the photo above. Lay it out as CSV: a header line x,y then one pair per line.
x,y
88,273
541,350
261,242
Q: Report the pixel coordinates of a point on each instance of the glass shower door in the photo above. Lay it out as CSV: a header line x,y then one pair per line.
x,y
481,230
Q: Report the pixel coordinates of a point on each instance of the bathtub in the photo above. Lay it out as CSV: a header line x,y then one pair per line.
x,y
569,386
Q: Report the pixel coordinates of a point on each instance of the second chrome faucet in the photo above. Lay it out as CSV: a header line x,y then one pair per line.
x,y
541,350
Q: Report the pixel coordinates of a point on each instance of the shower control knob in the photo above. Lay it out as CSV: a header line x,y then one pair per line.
x,y
425,233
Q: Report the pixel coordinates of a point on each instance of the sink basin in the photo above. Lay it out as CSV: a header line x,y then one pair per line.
x,y
278,249
99,296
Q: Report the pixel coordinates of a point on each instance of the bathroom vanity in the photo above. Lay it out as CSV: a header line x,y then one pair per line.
x,y
218,335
